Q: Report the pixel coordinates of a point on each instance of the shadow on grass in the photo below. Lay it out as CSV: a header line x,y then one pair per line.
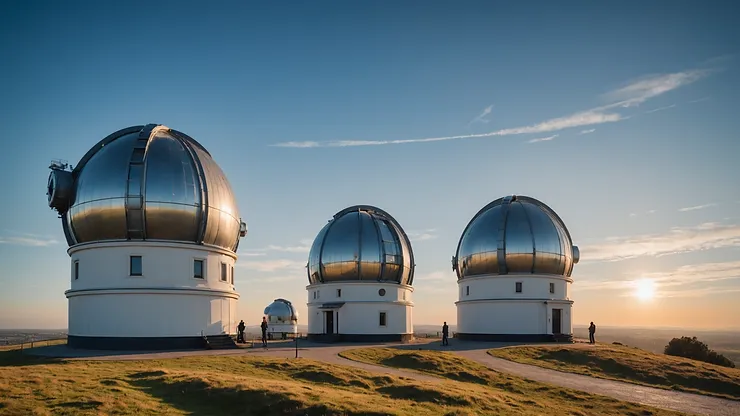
x,y
671,377
420,394
198,397
17,358
91,405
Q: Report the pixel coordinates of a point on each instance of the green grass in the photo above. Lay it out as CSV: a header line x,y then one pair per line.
x,y
250,385
631,365
511,394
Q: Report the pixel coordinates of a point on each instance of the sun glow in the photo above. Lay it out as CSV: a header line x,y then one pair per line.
x,y
645,289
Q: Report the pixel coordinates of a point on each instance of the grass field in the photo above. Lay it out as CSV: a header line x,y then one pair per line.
x,y
251,385
632,365
513,395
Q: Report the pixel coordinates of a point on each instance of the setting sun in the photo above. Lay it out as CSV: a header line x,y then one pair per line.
x,y
645,289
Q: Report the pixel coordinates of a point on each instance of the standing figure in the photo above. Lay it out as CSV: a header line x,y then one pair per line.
x,y
445,333
591,332
240,332
263,325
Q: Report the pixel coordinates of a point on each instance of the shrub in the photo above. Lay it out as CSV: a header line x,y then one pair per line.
x,y
690,347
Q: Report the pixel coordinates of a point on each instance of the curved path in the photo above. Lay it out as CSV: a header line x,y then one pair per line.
x,y
476,351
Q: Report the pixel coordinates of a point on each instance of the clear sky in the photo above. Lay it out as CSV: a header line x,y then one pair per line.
x,y
621,116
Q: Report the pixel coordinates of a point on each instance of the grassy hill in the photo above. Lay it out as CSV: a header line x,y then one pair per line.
x,y
505,394
632,365
252,385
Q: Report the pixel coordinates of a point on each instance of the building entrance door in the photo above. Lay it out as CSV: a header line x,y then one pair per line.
x,y
329,322
556,321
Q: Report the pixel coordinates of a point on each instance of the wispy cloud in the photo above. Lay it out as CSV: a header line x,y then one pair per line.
x,y
649,212
589,131
697,101
678,240
686,281
269,266
28,240
632,94
303,247
422,235
543,139
654,110
697,207
480,118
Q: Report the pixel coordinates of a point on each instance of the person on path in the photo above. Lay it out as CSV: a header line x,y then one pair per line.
x,y
591,332
240,333
445,333
263,325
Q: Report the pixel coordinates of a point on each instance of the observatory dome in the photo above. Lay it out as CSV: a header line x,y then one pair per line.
x,y
361,243
282,310
515,234
146,183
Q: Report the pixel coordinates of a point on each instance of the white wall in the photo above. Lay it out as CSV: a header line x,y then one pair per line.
x,y
360,313
491,305
165,301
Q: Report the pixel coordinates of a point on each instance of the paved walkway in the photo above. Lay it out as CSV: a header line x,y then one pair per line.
x,y
477,351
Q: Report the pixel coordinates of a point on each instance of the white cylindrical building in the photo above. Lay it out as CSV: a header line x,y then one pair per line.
x,y
153,229
360,272
282,319
513,263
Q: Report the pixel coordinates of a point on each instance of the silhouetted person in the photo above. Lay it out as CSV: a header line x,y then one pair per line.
x,y
445,333
240,332
591,332
263,325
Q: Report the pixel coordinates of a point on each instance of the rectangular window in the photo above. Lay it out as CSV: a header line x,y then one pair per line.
x,y
232,275
339,293
552,287
77,269
518,287
314,294
224,277
467,290
135,266
382,319
198,269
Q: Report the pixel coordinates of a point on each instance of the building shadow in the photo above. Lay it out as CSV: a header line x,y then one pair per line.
x,y
197,397
18,358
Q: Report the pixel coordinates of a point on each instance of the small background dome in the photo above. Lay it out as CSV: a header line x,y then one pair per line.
x,y
281,311
146,183
361,243
515,234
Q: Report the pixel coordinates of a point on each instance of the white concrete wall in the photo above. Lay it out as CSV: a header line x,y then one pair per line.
x,y
491,305
166,301
360,313
282,328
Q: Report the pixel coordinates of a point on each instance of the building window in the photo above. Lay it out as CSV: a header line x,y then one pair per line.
x,y
467,290
518,287
314,294
382,319
135,266
224,273
232,275
552,287
339,293
77,269
198,269
381,292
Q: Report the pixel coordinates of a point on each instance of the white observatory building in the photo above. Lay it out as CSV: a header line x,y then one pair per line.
x,y
282,319
360,271
513,263
153,228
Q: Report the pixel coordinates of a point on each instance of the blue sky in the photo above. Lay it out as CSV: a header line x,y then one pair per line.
x,y
621,116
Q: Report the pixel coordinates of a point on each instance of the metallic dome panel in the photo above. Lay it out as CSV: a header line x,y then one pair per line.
x,y
151,183
515,234
361,243
281,309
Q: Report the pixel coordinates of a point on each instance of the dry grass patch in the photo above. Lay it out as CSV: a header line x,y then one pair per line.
x,y
514,395
631,365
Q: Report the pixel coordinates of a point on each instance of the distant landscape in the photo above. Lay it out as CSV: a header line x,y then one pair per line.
x,y
725,342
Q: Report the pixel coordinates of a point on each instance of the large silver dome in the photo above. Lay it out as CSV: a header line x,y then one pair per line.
x,y
146,183
281,310
515,234
361,243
